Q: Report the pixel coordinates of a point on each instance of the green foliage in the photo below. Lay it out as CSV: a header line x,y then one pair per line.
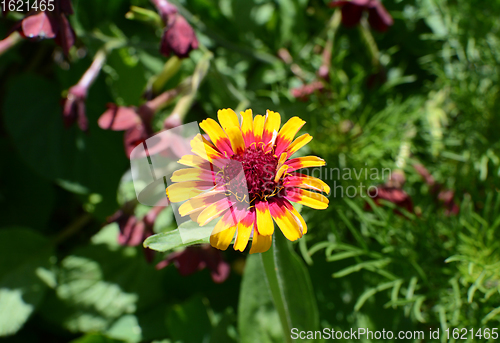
x,y
24,278
424,92
258,319
276,288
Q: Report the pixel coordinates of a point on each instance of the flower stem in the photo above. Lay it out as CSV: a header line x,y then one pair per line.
x,y
170,68
270,263
184,104
370,43
333,26
9,42
91,74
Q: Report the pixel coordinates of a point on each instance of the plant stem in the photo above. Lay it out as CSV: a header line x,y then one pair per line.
x,y
273,282
170,68
73,228
9,42
370,43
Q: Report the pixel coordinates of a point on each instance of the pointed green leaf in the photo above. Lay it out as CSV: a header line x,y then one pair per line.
x,y
290,287
258,320
187,234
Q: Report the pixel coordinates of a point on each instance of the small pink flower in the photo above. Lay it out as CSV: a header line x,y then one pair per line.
x,y
392,191
393,194
179,37
120,118
302,93
131,233
444,196
74,107
49,25
196,258
74,104
378,17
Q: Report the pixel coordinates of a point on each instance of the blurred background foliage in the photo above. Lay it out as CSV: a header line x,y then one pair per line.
x,y
420,99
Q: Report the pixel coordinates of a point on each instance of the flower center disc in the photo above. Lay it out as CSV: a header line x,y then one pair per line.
x,y
255,167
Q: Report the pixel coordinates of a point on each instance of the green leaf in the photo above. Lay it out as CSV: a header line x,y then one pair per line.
x,y
188,233
126,328
95,338
290,286
17,193
224,331
369,265
26,264
77,161
101,288
258,320
372,291
127,76
189,322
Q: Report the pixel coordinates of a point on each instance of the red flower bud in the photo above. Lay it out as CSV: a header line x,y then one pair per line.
x,y
178,38
49,25
74,107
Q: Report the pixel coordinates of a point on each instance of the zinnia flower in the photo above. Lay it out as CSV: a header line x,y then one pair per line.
x,y
245,175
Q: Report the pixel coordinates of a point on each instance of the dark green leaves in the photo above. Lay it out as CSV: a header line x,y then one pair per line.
x,y
25,275
106,289
82,163
181,318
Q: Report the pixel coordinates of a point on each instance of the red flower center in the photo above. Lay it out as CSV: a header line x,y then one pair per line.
x,y
259,170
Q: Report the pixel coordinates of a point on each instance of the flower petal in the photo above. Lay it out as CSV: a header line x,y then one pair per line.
x,y
118,118
260,243
194,215
214,210
306,181
287,222
287,134
304,162
182,191
217,135
223,234
237,142
199,202
247,127
228,118
273,121
193,174
312,199
297,215
195,161
280,172
258,128
298,143
206,150
265,223
244,230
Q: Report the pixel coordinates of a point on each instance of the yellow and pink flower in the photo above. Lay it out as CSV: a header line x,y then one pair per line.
x,y
246,177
